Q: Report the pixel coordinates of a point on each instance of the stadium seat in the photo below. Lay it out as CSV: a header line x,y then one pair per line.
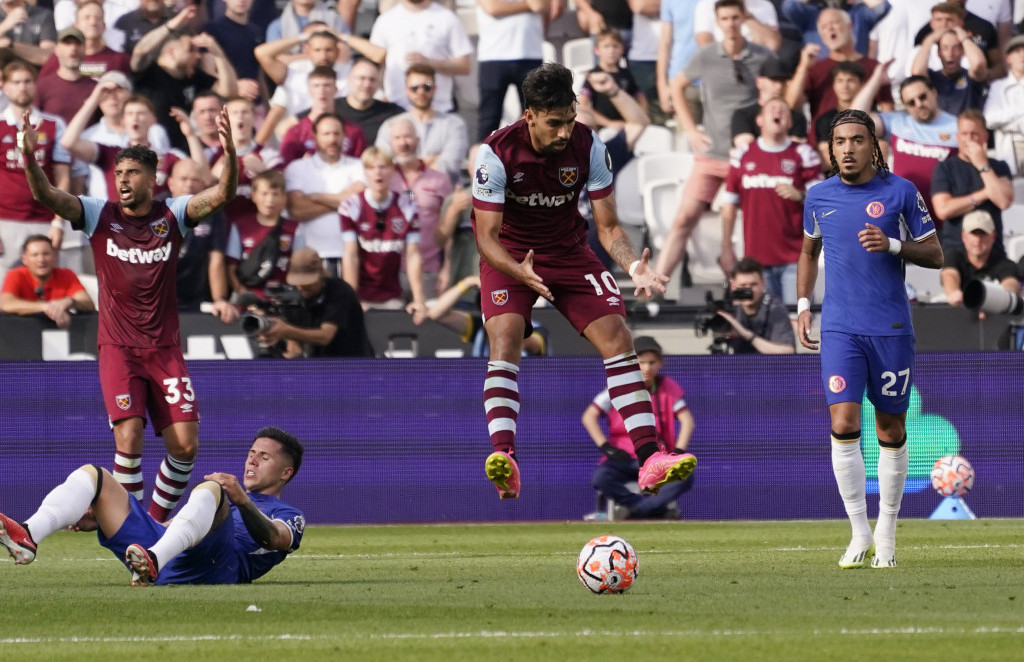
x,y
511,110
655,140
92,287
660,201
467,16
549,53
1014,247
628,200
704,247
578,54
663,165
1013,219
925,282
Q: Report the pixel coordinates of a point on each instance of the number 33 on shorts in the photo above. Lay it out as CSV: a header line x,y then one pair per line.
x,y
178,388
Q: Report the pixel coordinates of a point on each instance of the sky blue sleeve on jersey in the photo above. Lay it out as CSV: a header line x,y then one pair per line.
x,y
91,208
178,206
600,166
489,177
234,247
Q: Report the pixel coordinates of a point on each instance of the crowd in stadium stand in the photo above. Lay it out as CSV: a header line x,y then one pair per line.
x,y
367,115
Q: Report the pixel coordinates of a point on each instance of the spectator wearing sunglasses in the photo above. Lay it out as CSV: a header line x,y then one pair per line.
x,y
443,139
39,287
922,136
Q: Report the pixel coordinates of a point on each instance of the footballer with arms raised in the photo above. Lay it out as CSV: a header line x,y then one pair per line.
x,y
135,241
528,178
869,222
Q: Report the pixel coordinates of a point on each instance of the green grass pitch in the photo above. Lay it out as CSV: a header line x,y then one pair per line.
x,y
706,591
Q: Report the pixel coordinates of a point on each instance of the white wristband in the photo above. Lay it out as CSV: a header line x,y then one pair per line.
x,y
632,267
803,304
895,245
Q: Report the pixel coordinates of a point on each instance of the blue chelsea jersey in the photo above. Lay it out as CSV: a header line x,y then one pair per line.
x,y
865,292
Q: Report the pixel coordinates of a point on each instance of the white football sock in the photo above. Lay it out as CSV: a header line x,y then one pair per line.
x,y
892,476
188,527
848,467
63,506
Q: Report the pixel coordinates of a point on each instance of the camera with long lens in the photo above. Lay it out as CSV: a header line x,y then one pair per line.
x,y
989,297
709,321
280,301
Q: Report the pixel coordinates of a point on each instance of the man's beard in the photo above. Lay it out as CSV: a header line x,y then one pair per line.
x,y
406,159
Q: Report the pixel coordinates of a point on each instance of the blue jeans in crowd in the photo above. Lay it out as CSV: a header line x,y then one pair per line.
x,y
612,478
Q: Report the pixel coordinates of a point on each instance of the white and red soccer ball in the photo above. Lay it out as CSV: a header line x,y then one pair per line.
x,y
952,475
608,564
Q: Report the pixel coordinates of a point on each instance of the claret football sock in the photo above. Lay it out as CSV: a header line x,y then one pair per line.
x,y
501,402
171,481
128,472
631,399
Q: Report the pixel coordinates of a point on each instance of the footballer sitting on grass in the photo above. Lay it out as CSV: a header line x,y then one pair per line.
x,y
227,533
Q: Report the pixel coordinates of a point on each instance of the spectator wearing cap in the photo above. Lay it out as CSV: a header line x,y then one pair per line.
x,y
977,259
771,83
970,181
116,89
40,287
330,323
97,57
1004,108
63,92
616,474
27,30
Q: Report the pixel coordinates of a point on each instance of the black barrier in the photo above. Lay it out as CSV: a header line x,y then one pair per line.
x,y
939,328
203,336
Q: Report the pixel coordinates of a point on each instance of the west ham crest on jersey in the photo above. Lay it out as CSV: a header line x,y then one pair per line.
x,y
567,175
788,166
124,401
499,297
160,227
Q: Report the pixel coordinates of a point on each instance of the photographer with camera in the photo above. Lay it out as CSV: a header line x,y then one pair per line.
x,y
759,323
977,259
320,318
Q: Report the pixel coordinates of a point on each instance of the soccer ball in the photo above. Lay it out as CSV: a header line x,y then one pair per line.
x,y
608,564
952,475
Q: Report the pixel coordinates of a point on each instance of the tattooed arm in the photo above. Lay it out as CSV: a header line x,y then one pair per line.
x,y
60,202
620,248
210,200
